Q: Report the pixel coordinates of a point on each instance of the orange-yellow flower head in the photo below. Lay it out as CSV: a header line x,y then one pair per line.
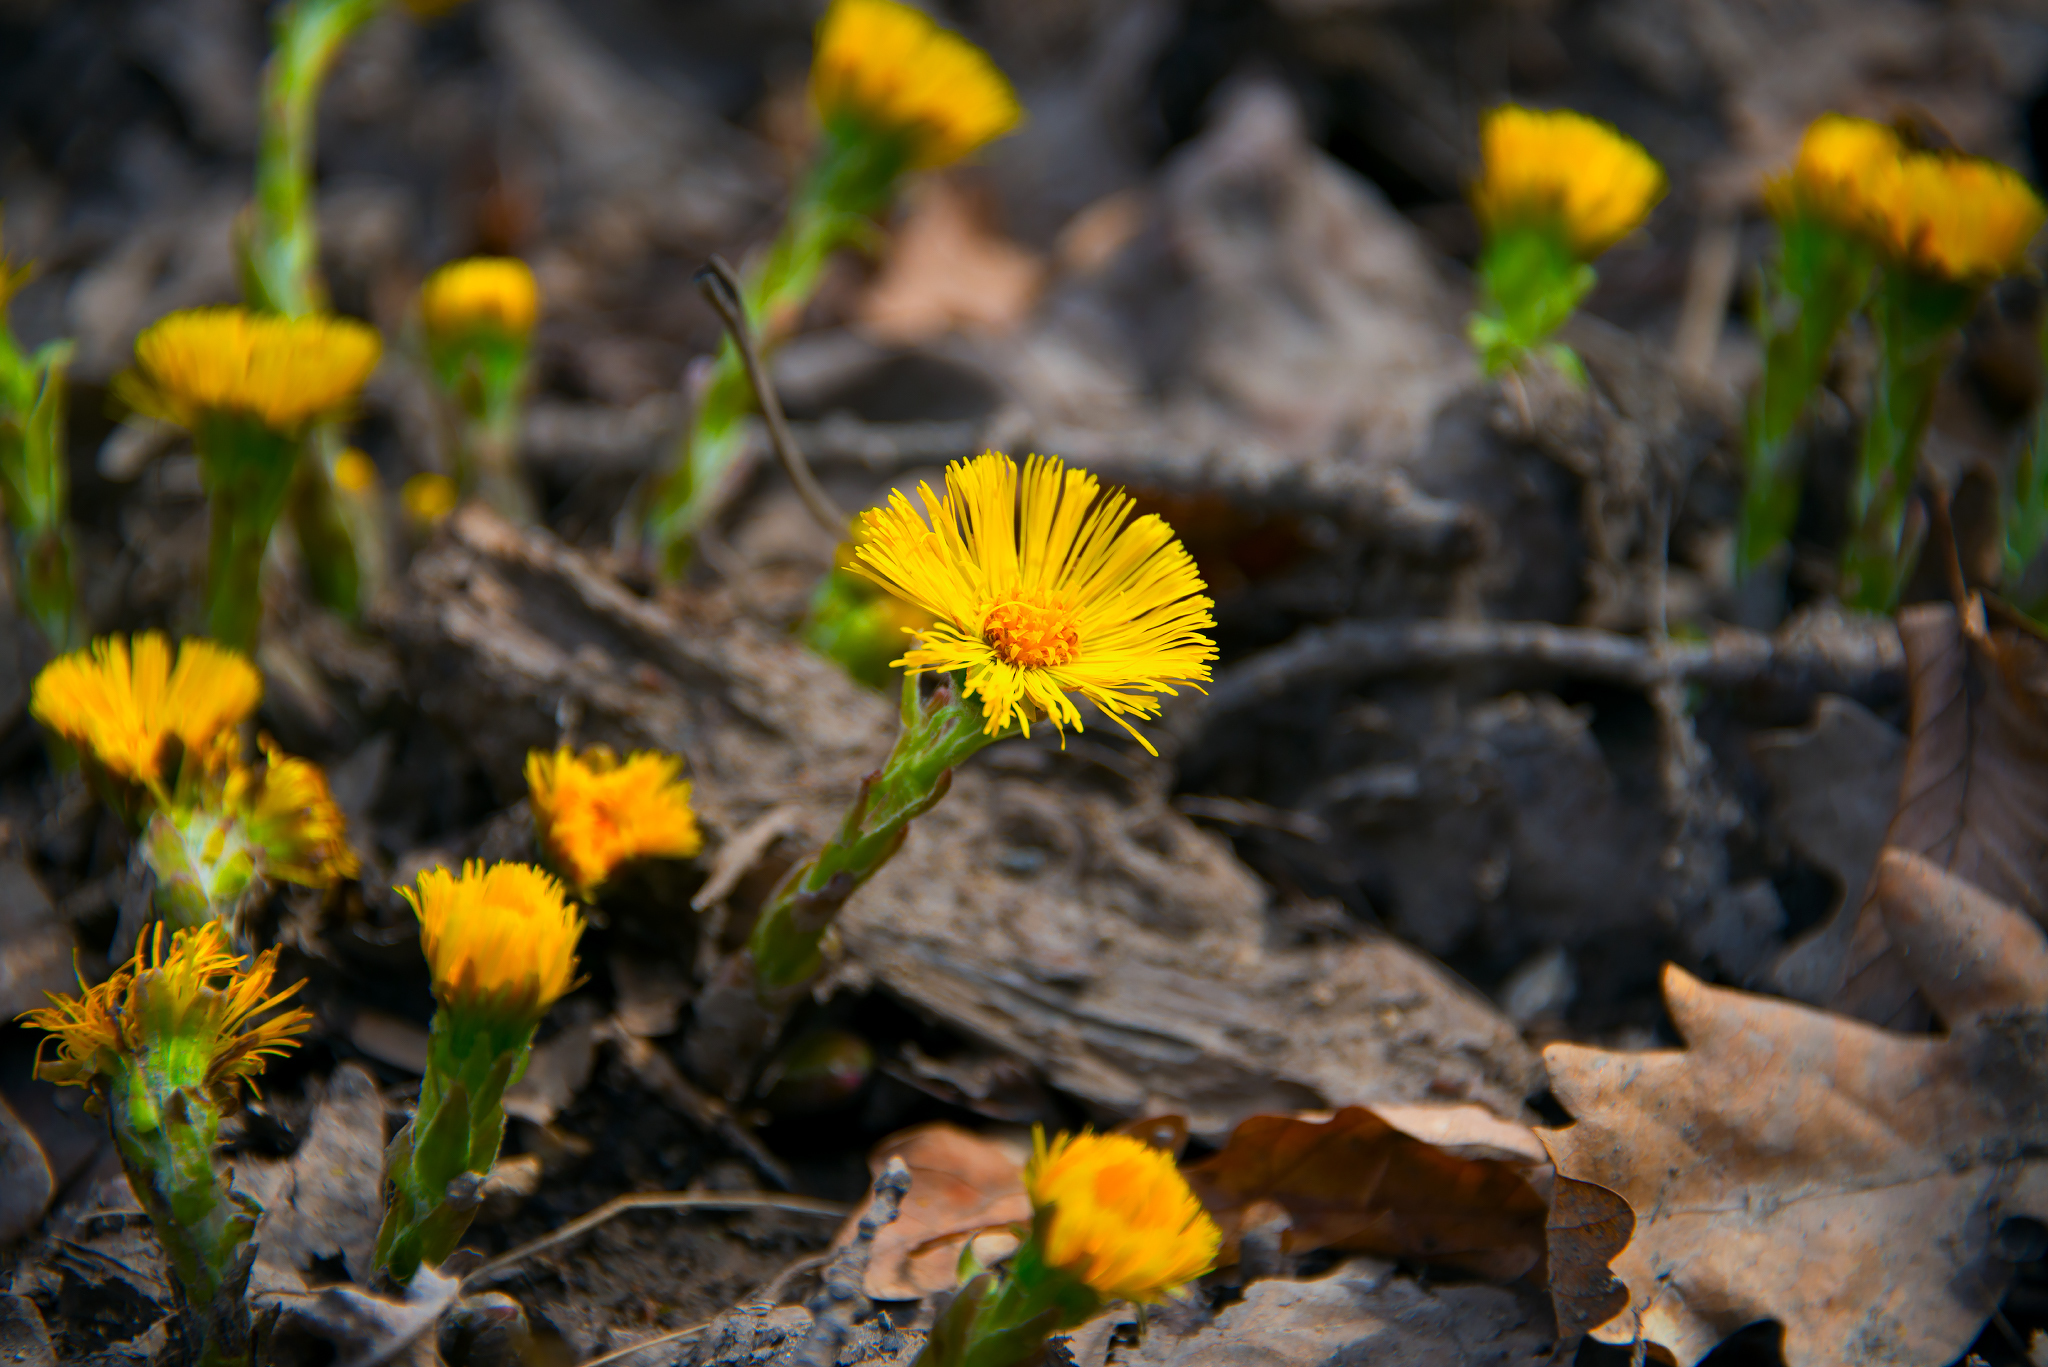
x,y
1042,585
500,941
428,498
1841,163
888,70
1960,219
593,812
121,706
183,1011
484,294
277,371
289,814
1557,171
1114,1213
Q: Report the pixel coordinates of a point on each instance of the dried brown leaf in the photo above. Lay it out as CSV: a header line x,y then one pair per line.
x,y
960,1184
949,269
1800,1166
1469,1195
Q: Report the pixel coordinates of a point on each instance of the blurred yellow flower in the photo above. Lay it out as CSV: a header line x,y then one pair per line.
x,y
428,498
1563,172
481,294
1841,163
281,372
593,812
189,1007
290,814
500,941
1043,585
355,472
1960,219
121,709
890,70
1114,1213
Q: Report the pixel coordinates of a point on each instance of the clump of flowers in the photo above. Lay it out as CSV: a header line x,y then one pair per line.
x,y
165,1046
478,317
594,812
1826,212
893,93
155,728
500,942
1556,190
247,387
1947,227
1041,585
1112,1219
35,482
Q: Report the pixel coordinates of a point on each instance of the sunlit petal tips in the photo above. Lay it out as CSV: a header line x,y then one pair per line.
x,y
500,941
593,812
1043,585
121,706
891,70
280,372
1115,1214
1555,170
1961,219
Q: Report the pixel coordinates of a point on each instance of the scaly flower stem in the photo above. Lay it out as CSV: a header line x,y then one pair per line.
x,y
1916,317
1530,284
2025,512
487,447
35,483
166,1134
247,470
1820,277
434,1168
851,182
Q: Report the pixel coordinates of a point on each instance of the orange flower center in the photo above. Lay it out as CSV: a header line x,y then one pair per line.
x,y
1030,635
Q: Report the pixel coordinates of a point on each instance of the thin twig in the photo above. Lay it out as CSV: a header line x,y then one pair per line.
x,y
721,288
615,1354
653,1200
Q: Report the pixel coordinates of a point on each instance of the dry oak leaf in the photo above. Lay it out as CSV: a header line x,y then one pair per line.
x,y
1453,1185
1791,1164
960,1184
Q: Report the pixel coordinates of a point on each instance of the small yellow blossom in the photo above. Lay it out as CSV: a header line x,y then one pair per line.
x,y
1961,219
281,372
1114,1213
428,498
889,69
500,941
354,472
1562,171
1841,163
1043,585
593,812
122,708
190,1004
482,294
291,815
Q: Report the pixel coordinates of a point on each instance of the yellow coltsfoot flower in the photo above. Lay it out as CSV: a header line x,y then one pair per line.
x,y
500,941
1841,165
281,372
428,499
594,812
290,815
1042,585
1960,219
480,294
1114,1213
122,705
892,72
1562,172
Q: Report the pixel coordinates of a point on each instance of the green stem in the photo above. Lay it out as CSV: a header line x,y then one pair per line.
x,y
35,483
1002,1319
166,1136
1807,294
1916,319
248,472
1530,283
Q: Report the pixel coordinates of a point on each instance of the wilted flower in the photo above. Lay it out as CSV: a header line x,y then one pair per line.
x,y
889,71
1956,218
277,371
593,812
1043,586
289,813
186,1012
500,941
121,708
1114,1213
1842,161
1561,172
494,294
